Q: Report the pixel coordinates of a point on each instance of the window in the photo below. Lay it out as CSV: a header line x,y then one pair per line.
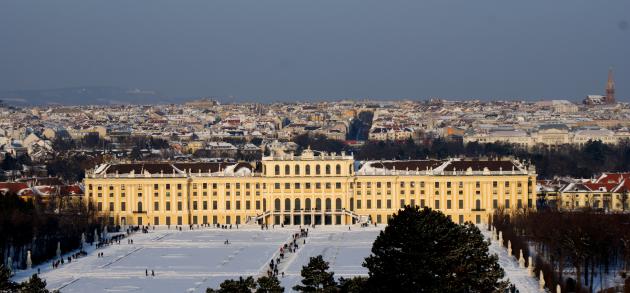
x,y
437,204
179,205
168,205
402,203
327,169
378,203
215,205
495,204
99,206
179,186
338,169
369,203
297,170
461,204
168,186
437,184
318,170
277,170
307,170
389,203
507,203
238,204
448,204
227,205
111,206
139,206
358,204
338,185
287,170
205,205
247,205
156,206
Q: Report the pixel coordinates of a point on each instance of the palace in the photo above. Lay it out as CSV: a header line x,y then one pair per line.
x,y
321,189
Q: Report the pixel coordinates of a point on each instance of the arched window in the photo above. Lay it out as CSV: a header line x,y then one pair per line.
x,y
287,204
287,170
338,203
307,204
277,204
140,206
297,170
297,206
308,170
328,204
318,204
327,169
277,169
350,169
318,170
338,169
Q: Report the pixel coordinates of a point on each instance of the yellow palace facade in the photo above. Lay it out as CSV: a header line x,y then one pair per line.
x,y
320,189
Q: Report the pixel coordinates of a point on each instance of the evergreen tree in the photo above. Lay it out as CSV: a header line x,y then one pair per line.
x,y
269,285
235,286
316,278
6,285
353,285
424,251
33,285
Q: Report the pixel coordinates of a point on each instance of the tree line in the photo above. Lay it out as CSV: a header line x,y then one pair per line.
x,y
38,226
576,250
590,159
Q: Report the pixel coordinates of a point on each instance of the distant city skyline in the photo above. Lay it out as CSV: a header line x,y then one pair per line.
x,y
281,50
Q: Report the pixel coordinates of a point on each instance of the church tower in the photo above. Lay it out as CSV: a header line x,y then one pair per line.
x,y
610,89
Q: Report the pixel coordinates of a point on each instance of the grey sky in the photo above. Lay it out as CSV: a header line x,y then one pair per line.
x,y
284,50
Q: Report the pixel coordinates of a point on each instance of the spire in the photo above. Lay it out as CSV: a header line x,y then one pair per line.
x,y
610,88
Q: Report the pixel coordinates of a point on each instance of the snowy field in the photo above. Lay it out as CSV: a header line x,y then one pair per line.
x,y
191,261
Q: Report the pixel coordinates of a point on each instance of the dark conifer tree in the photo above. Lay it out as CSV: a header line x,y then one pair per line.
x,y
316,278
424,251
6,285
34,285
353,285
269,285
235,286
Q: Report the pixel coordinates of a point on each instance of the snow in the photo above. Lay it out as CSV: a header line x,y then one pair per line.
x,y
516,275
191,261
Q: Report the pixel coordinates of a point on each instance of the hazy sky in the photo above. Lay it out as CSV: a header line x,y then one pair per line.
x,y
283,50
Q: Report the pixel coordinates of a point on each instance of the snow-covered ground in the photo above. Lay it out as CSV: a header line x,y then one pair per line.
x,y
191,261
516,275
